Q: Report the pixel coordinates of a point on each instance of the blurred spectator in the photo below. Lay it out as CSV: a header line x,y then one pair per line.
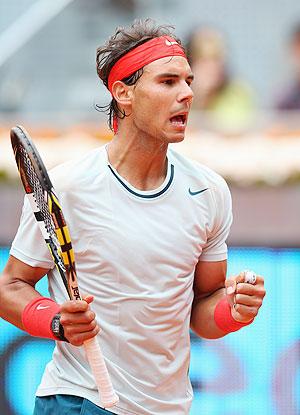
x,y
289,98
230,102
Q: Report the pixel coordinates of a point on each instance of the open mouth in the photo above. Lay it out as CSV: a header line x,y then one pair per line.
x,y
179,120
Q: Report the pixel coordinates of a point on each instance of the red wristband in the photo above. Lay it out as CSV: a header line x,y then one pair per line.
x,y
37,317
224,319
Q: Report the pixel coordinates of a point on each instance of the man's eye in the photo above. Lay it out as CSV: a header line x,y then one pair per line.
x,y
168,81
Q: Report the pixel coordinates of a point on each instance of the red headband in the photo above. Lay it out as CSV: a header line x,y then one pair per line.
x,y
157,48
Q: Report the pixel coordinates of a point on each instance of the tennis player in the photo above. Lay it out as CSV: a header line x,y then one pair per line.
x,y
149,229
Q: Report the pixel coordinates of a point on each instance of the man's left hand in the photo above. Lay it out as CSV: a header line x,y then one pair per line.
x,y
245,298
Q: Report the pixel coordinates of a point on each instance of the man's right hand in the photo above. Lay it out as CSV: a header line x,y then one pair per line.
x,y
78,320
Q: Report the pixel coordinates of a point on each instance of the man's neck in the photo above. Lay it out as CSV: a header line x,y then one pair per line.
x,y
142,162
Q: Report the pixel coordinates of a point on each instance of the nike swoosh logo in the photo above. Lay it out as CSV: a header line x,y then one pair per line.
x,y
42,307
168,43
197,192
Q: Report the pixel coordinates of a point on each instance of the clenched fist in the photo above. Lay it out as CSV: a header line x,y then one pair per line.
x,y
244,297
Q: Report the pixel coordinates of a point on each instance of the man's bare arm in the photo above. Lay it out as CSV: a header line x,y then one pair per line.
x,y
244,298
17,289
209,288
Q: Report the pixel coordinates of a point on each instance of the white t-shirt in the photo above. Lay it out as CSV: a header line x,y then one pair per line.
x,y
136,252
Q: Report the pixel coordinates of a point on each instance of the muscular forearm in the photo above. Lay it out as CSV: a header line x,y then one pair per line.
x,y
18,298
14,296
202,317
17,289
218,313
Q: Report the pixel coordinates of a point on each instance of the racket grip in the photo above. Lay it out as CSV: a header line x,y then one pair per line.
x,y
108,397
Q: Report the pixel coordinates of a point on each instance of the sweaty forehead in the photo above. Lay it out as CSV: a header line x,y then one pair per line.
x,y
173,64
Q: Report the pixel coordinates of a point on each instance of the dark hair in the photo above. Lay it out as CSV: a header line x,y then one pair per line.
x,y
124,40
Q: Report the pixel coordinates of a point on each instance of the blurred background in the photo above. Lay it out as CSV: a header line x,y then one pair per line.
x,y
245,124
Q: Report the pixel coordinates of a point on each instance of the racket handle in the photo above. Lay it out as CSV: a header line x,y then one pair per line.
x,y
108,397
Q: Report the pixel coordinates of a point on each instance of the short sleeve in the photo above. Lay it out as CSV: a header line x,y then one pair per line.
x,y
29,245
215,248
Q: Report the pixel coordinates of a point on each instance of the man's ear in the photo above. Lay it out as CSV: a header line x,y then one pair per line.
x,y
122,93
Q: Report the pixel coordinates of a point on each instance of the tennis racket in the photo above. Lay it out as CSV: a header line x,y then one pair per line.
x,y
49,216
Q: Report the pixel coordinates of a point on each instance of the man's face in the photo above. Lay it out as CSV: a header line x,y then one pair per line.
x,y
162,99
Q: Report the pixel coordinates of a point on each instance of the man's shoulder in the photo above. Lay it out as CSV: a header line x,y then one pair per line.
x,y
196,169
78,170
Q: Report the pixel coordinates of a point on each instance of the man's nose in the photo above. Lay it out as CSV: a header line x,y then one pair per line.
x,y
186,93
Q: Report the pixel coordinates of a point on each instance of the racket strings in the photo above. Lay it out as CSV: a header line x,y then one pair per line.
x,y
39,195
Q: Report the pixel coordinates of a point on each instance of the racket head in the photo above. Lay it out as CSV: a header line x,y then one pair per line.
x,y
35,180
21,141
46,207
